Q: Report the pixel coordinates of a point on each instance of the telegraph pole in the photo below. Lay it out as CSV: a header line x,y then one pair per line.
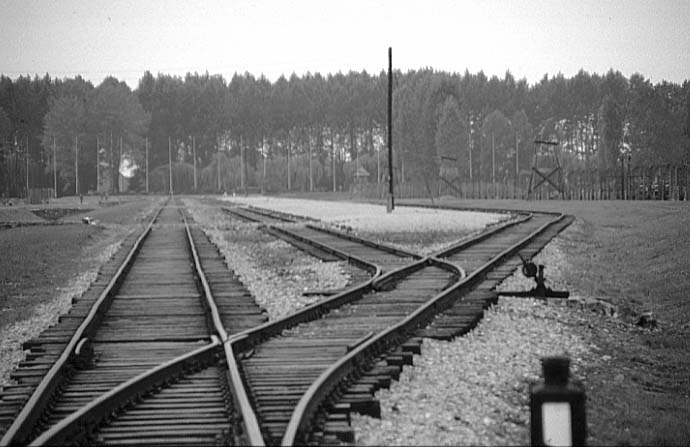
x,y
493,159
76,165
391,201
146,150
264,155
54,170
311,178
27,166
288,161
98,165
170,165
120,183
242,187
517,163
194,158
218,168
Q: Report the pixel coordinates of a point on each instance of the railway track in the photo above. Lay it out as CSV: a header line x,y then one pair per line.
x,y
354,343
291,381
121,364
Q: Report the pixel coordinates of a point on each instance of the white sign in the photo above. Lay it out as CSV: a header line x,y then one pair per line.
x,y
556,423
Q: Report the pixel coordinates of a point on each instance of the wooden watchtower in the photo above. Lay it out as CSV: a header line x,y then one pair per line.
x,y
546,175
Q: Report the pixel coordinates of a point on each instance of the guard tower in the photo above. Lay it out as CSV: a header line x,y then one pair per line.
x,y
546,169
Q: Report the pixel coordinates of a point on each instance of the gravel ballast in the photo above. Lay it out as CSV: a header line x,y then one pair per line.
x,y
474,390
276,273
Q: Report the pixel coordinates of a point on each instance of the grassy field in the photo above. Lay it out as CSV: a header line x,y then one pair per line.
x,y
39,259
631,254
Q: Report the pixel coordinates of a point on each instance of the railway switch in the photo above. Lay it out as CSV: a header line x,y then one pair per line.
x,y
532,270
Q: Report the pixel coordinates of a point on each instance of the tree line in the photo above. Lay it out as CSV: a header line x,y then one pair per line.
x,y
314,132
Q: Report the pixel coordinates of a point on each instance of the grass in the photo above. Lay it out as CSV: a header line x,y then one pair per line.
x,y
37,260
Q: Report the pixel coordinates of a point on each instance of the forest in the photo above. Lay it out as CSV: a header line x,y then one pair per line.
x,y
321,133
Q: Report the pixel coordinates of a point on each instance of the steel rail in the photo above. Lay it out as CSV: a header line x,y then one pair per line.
x,y
31,412
73,426
251,337
321,388
374,269
240,399
279,214
99,408
238,342
244,216
378,246
210,302
461,245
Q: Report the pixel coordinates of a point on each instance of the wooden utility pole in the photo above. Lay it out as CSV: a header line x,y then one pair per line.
x,y
288,161
98,165
194,159
264,155
311,178
170,164
391,201
493,159
333,159
146,150
469,147
120,177
218,168
242,187
517,164
378,166
111,164
27,166
54,170
76,165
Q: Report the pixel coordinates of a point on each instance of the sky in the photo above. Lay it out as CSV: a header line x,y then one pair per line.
x,y
530,38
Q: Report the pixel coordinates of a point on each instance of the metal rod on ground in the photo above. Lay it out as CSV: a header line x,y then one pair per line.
x,y
54,170
170,164
391,201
